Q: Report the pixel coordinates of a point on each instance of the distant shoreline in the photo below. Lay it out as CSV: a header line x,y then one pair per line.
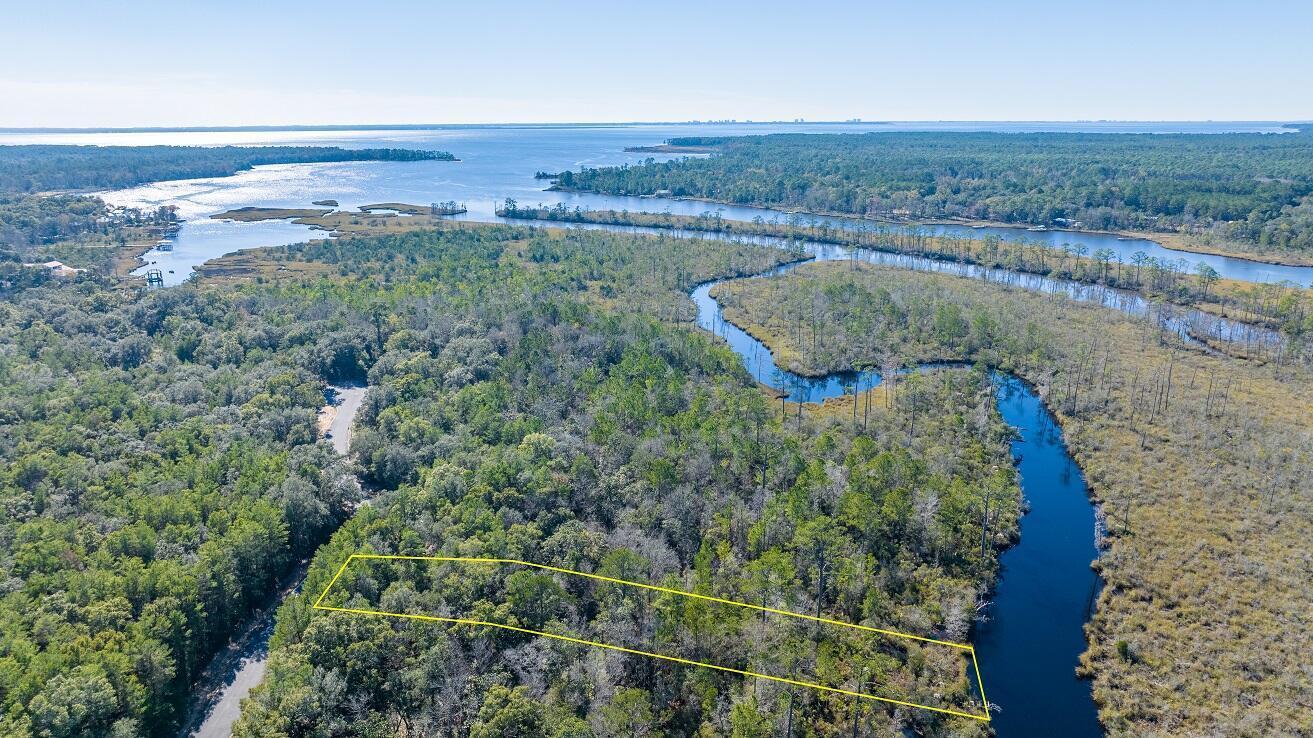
x,y
449,126
1287,126
670,149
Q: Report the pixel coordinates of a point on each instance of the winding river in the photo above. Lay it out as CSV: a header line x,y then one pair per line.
x,y
1188,323
1033,634
1028,646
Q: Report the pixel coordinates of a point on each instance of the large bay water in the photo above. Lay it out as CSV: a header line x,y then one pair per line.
x,y
498,162
1029,645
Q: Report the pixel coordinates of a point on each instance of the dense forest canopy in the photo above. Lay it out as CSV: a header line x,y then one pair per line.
x,y
1255,189
159,471
537,411
529,396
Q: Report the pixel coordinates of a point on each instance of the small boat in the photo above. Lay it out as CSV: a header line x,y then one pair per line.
x,y
1037,228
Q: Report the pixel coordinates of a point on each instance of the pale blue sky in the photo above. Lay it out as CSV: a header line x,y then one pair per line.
x,y
280,62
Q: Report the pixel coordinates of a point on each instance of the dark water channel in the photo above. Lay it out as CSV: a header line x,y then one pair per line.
x,y
1029,644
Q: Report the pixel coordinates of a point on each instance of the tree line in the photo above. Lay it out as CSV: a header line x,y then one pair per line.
x,y
46,167
1254,191
1285,307
34,220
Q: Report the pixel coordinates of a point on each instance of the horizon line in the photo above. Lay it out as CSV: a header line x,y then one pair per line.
x,y
258,127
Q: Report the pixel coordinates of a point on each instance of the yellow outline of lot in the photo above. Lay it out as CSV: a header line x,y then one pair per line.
x,y
664,657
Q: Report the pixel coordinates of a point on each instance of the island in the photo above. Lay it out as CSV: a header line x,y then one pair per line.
x,y
374,219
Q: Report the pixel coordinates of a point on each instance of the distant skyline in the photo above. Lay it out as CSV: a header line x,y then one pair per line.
x,y
168,64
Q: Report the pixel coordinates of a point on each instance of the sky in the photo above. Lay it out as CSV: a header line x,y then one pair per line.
x,y
278,62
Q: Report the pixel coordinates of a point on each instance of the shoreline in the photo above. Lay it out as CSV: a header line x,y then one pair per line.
x,y
322,216
1225,299
1167,240
828,405
669,149
132,255
131,258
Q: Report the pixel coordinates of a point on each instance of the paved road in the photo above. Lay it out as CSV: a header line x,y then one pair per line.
x,y
242,667
348,401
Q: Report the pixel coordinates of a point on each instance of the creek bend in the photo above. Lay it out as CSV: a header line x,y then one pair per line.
x,y
1029,644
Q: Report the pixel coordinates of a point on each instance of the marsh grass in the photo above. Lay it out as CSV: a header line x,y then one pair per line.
x,y
1198,461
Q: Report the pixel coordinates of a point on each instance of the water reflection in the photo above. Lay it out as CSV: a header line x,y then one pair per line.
x,y
1032,636
500,162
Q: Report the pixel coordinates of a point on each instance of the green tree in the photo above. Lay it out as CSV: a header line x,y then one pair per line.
x,y
747,721
535,598
510,713
1207,277
629,714
80,703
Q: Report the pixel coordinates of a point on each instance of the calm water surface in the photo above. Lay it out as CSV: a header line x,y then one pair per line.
x,y
498,162
1029,645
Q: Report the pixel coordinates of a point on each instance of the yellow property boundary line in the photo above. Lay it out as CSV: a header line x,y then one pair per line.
x,y
692,595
